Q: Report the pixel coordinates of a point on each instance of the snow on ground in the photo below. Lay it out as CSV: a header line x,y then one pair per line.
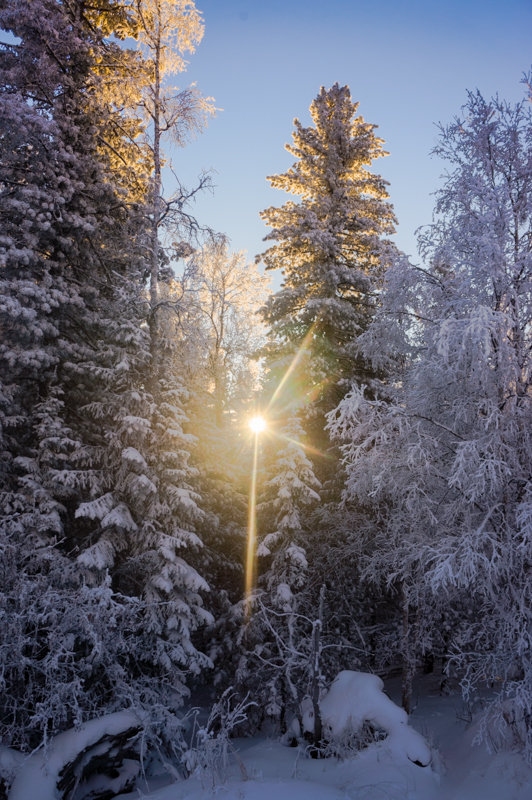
x,y
468,770
460,770
262,768
276,772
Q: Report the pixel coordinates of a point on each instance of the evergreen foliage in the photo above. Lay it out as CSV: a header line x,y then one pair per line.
x,y
329,246
290,490
97,489
69,244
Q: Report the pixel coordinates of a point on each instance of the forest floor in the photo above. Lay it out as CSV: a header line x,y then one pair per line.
x,y
263,769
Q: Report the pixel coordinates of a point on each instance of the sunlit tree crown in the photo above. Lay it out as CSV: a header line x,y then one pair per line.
x,y
329,246
166,30
173,26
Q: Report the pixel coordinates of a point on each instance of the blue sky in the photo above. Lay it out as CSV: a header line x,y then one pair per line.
x,y
407,63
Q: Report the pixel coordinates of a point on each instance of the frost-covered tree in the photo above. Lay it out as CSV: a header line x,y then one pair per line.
x,y
446,456
278,640
166,30
150,537
328,246
228,292
67,213
69,260
222,331
97,490
144,527
290,489
155,483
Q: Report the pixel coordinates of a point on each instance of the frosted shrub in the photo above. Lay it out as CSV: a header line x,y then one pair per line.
x,y
210,748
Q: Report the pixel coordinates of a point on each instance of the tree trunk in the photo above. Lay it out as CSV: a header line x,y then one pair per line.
x,y
155,203
408,656
317,733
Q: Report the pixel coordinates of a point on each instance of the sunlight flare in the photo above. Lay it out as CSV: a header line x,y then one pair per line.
x,y
252,528
306,447
303,347
257,424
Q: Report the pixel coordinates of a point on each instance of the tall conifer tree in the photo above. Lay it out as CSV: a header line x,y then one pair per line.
x,y
329,246
96,493
69,260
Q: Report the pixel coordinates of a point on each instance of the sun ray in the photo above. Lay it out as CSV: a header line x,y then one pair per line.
x,y
293,364
252,528
258,424
307,447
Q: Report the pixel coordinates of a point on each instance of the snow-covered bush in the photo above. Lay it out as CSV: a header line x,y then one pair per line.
x,y
355,711
98,759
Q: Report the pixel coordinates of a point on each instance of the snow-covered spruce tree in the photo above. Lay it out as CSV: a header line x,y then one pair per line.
x,y
278,634
290,488
167,518
145,526
97,493
329,246
447,463
332,251
70,278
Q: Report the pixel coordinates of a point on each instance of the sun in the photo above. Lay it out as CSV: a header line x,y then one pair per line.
x,y
257,424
